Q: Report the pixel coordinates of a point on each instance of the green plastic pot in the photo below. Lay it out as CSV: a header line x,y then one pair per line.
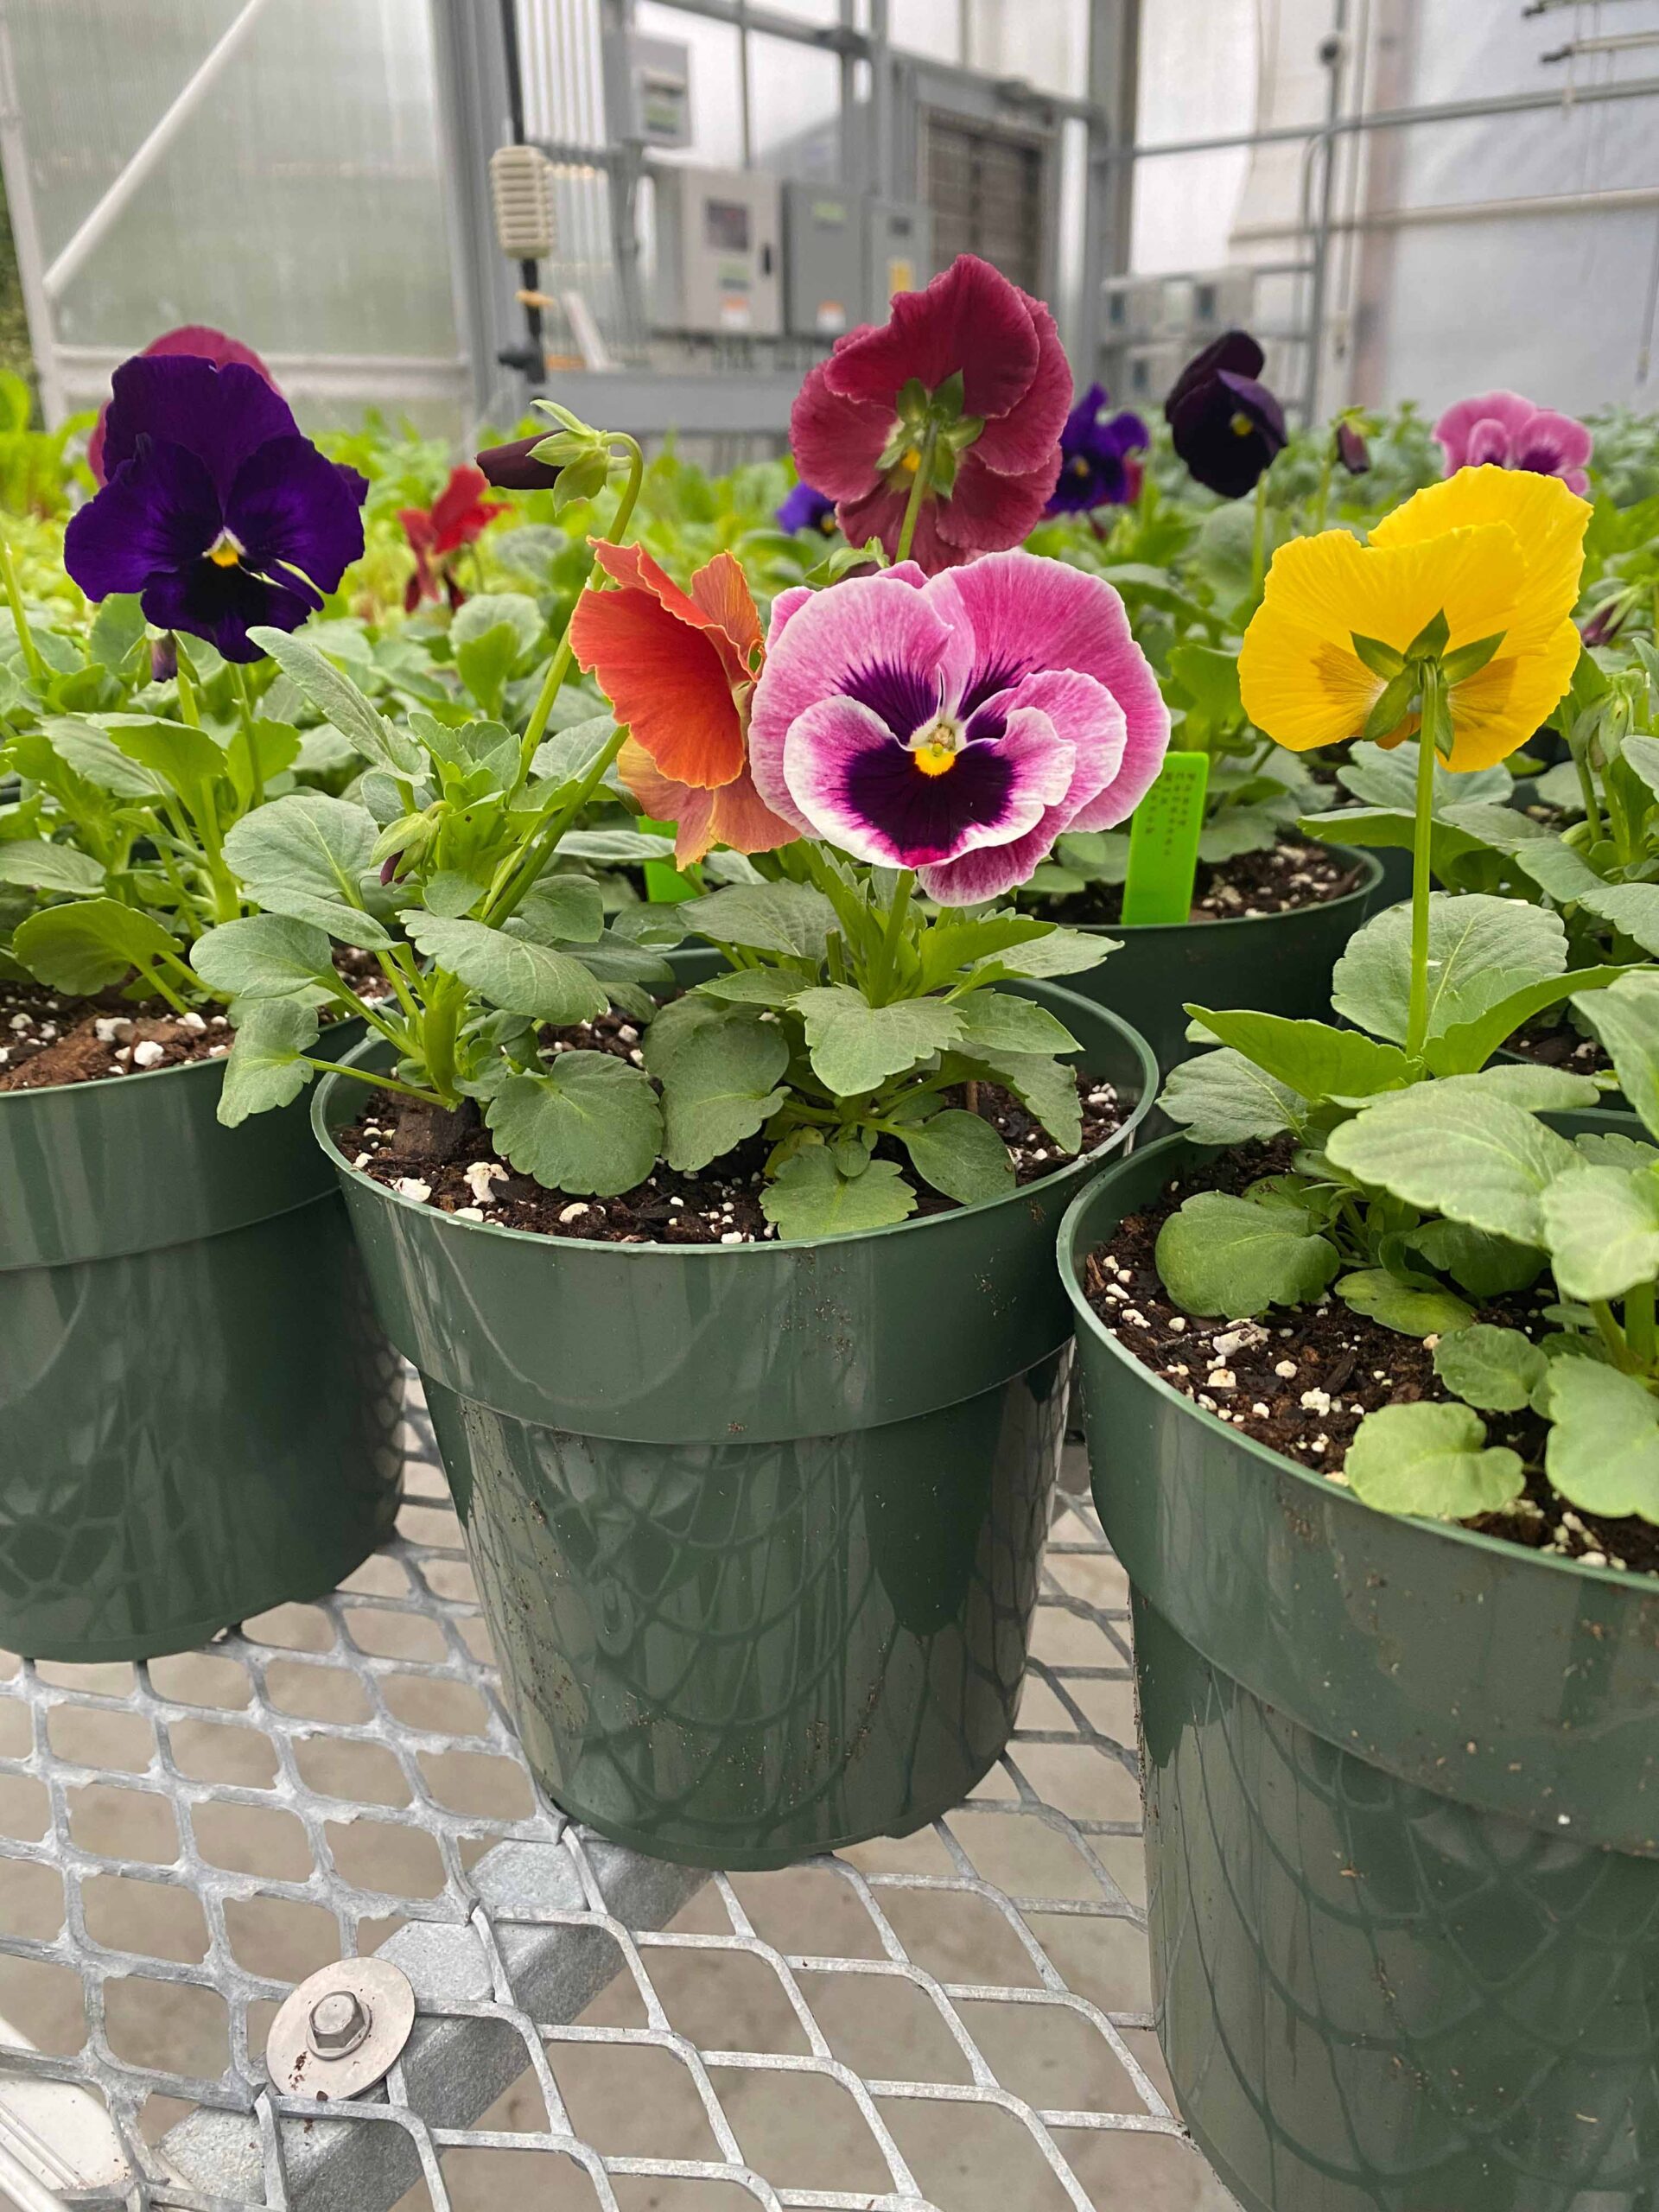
x,y
199,1411
1270,963
1402,1816
756,1530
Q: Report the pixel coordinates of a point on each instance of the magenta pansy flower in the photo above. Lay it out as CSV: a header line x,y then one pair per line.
x,y
979,361
1503,428
955,726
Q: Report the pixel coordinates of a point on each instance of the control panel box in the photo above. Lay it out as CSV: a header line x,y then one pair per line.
x,y
901,251
659,90
718,256
824,244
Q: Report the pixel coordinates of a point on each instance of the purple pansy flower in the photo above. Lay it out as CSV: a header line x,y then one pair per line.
x,y
955,726
216,510
1502,426
1224,421
807,509
1095,470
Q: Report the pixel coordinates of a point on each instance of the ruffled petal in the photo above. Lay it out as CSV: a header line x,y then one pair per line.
x,y
222,605
1026,439
667,681
970,319
990,512
837,443
718,603
220,415
859,787
1553,443
1456,427
159,511
864,631
1495,711
734,815
289,509
1547,517
720,591
1487,442
199,339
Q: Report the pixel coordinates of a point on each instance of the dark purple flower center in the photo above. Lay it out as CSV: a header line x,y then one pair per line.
x,y
904,698
923,804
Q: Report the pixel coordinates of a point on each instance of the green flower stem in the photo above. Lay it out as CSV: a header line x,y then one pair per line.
x,y
919,492
399,969
1613,1337
898,913
559,667
245,711
521,870
1259,537
365,1075
352,1005
1417,1015
162,988
445,1003
188,709
32,660
1639,1331
1322,502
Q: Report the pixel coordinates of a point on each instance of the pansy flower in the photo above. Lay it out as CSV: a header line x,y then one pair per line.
x,y
459,516
807,508
1498,553
1224,421
216,510
955,726
202,343
1097,468
1509,432
679,669
969,372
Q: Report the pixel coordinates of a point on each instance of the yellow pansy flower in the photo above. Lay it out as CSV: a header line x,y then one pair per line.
x,y
1493,550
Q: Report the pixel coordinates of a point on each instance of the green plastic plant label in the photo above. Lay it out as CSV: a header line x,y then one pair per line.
x,y
665,884
1164,841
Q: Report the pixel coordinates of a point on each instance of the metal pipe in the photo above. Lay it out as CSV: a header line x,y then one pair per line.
x,y
534,359
1608,200
772,24
26,236
1332,53
105,211
1401,119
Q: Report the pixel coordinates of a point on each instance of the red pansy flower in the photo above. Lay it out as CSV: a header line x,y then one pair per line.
x,y
679,669
459,516
995,390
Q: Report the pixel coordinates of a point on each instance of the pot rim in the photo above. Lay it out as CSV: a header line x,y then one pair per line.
x,y
323,1091
1372,877
144,1075
1335,1496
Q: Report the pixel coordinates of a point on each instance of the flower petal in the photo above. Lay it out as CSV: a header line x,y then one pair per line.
x,y
734,815
1553,443
863,638
159,511
718,602
970,319
858,786
221,415
510,467
1547,519
206,344
988,511
720,590
222,605
1496,710
1487,442
1024,615
1026,438
290,509
1456,427
1235,350
666,679
837,443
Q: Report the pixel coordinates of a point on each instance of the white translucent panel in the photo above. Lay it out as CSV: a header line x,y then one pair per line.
x,y
810,11
716,116
1197,80
929,27
795,96
1045,41
301,204
561,71
1499,49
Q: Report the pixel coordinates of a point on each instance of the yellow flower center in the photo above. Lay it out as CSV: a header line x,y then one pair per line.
x,y
910,462
1241,425
226,551
1079,466
934,748
934,758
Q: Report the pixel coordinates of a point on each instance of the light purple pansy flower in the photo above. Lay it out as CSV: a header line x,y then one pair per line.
x,y
1503,428
958,725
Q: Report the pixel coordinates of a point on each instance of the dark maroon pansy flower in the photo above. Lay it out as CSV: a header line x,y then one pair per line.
x,y
216,510
1096,445
1224,422
511,468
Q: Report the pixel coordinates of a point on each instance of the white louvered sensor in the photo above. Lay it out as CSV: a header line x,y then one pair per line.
x,y
521,187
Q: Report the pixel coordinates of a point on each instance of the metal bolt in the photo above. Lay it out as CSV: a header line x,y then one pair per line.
x,y
339,2022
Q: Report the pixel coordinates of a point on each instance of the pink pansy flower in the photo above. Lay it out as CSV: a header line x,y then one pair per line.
x,y
955,726
974,363
1503,428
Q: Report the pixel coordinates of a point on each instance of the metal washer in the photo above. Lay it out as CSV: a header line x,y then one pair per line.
x,y
384,1993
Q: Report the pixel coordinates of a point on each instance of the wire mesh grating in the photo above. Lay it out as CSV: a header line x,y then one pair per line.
x,y
957,2018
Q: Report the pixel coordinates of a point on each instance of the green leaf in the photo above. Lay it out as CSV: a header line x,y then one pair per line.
x,y
998,1021
1603,1453
769,987
1560,871
254,759
1238,830
568,755
812,1198
267,1066
590,1123
1497,1370
1387,776
1470,1156
1409,1308
722,1089
184,760
961,1155
561,910
487,610
1311,1057
1211,677
118,628
338,700
1223,1098
1632,907
1625,1017
1611,1148
1467,1046
1045,1087
87,947
1643,755
789,918
514,972
675,1025
39,866
1431,1460
485,663
1220,1254
451,894
1481,950
1060,952
267,956
1540,1089
1486,1267
855,1045
88,751
307,856
1601,1228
